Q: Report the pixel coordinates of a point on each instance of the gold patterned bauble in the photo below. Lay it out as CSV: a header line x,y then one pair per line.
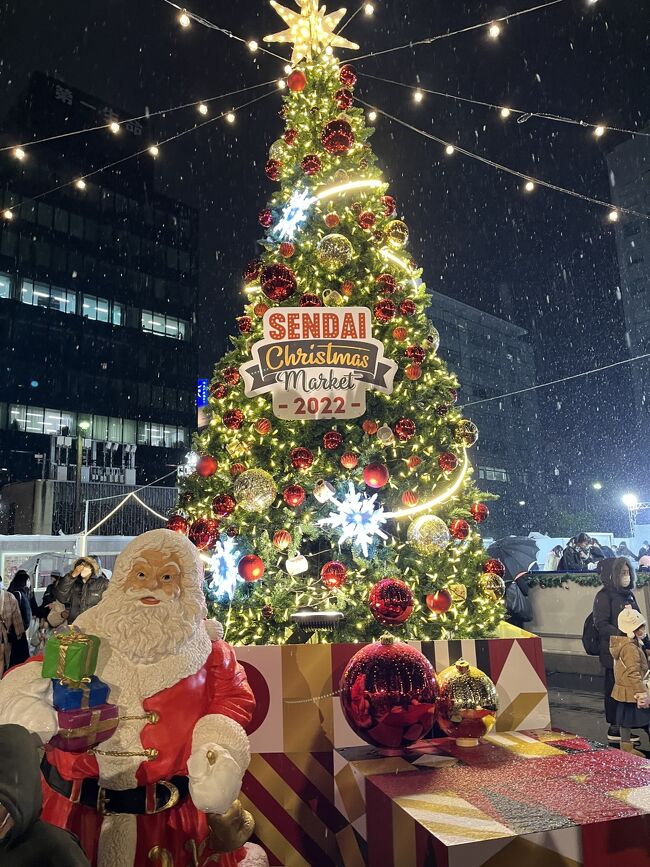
x,y
428,534
385,435
492,586
466,433
433,338
333,298
397,234
334,252
255,490
341,177
468,703
276,151
458,593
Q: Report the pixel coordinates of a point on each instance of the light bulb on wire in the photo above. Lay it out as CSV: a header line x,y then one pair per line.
x,y
203,109
599,131
369,9
449,150
494,30
529,186
372,116
80,184
114,127
288,69
153,151
253,46
418,96
19,154
184,19
8,214
282,84
505,112
613,216
230,117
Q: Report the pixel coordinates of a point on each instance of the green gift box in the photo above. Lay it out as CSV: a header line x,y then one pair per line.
x,y
70,657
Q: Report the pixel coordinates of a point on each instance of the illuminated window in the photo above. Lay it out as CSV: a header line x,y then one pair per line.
x,y
5,286
491,474
165,326
102,310
43,295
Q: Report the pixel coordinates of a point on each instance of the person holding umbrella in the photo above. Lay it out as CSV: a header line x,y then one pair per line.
x,y
519,556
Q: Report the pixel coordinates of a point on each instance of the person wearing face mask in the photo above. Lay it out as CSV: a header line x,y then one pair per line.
x,y
615,596
81,588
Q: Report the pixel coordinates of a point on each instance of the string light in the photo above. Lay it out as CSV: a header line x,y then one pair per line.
x,y
230,117
8,214
494,31
184,19
372,116
19,153
435,501
505,112
418,96
154,151
449,150
599,131
114,127
253,46
369,9
80,184
613,216
365,184
288,69
282,83
203,109
529,186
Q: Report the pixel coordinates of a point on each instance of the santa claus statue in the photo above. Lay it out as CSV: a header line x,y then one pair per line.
x,y
163,789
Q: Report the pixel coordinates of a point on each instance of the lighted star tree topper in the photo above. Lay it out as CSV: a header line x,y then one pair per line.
x,y
310,30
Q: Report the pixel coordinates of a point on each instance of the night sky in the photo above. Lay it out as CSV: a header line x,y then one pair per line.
x,y
545,261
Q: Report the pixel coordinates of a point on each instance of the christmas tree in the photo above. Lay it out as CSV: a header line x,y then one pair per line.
x,y
332,496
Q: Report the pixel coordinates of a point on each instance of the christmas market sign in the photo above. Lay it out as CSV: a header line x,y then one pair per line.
x,y
318,362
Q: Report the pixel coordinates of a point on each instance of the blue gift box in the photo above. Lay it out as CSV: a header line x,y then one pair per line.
x,y
80,696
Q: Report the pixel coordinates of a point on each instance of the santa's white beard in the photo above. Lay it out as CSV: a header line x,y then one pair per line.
x,y
143,633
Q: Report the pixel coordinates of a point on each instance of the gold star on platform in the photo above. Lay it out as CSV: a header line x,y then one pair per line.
x,y
309,30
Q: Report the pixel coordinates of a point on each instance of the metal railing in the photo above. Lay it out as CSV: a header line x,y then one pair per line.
x,y
131,520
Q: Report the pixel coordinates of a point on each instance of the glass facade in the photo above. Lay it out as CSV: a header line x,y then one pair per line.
x,y
491,474
102,310
166,326
5,286
44,295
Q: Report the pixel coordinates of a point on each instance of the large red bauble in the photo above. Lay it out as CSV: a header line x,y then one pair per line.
x,y
218,392
366,219
480,512
404,429
178,524
206,466
370,427
309,299
375,475
414,462
263,426
282,539
296,81
272,169
439,602
251,567
332,220
311,164
233,419
337,137
290,136
252,271
385,310
260,309
415,353
278,282
413,372
391,601
347,75
265,218
409,498
294,495
333,574
386,284
245,324
332,439
204,533
459,528
390,205
287,249
223,505
349,460
344,98
347,288
400,333
453,395
494,567
447,462
388,694
301,458
407,307
231,376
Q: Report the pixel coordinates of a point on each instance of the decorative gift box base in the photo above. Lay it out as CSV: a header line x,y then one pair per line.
x,y
79,697
79,730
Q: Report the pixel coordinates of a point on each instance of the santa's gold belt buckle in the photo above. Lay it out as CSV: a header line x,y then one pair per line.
x,y
172,799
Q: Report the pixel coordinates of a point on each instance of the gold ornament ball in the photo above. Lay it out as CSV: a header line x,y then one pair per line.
x,y
276,150
433,338
466,432
468,703
397,234
255,490
492,586
334,252
333,298
458,593
428,534
341,177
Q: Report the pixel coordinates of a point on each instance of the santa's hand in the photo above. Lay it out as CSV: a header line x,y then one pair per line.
x,y
26,700
231,830
215,778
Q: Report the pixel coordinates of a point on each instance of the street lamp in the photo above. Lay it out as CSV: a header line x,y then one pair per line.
x,y
630,501
82,427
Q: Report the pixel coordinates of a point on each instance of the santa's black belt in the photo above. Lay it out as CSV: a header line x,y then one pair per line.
x,y
143,800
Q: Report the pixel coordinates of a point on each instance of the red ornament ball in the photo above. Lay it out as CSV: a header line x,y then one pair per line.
x,y
282,539
386,284
233,419
459,529
245,324
413,372
290,136
347,75
439,602
263,426
337,137
204,533
376,475
272,169
413,462
384,310
308,299
370,427
218,392
404,429
390,206
237,469
357,207
311,164
333,574
480,512
494,567
453,395
415,353
301,458
442,409
366,219
347,288
252,271
388,694
278,282
265,218
178,524
294,495
206,466
447,462
223,505
251,567
260,309
349,460
391,601
332,439
344,98
407,307
287,249
296,81
332,220
232,532
409,498
400,333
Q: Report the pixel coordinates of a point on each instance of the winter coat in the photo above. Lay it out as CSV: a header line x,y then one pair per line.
x,y
11,624
31,842
22,597
609,603
630,667
552,562
572,561
78,595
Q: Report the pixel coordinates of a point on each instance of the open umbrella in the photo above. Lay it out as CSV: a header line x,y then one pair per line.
x,y
517,553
